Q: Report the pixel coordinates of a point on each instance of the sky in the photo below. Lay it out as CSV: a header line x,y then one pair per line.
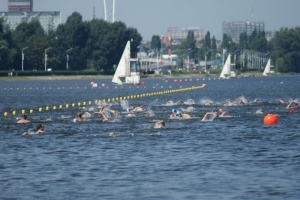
x,y
154,17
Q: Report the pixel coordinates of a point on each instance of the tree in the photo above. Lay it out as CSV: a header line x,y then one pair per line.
x,y
286,50
155,42
32,35
226,42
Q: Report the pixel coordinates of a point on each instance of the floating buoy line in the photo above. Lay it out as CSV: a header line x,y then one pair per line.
x,y
47,108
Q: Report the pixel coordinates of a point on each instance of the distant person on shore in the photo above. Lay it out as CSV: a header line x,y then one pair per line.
x,y
23,119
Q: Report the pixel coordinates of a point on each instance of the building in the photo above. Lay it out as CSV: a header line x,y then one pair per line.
x,y
177,35
20,5
235,28
49,20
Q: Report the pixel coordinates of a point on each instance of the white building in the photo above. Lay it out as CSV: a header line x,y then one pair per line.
x,y
48,20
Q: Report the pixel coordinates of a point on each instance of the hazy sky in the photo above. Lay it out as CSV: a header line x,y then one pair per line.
x,y
153,17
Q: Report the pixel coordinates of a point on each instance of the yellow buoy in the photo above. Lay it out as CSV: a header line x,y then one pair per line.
x,y
5,114
14,112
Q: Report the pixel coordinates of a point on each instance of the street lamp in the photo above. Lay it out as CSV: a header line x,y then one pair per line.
x,y
46,58
205,59
235,56
23,56
188,58
68,58
1,48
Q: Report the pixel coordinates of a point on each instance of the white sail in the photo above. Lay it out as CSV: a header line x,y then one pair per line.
x,y
267,70
123,69
226,68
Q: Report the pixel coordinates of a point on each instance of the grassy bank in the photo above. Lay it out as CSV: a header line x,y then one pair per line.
x,y
175,74
49,78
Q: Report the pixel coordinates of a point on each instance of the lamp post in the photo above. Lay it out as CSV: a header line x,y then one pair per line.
x,y
0,52
188,58
68,58
205,59
46,56
1,48
157,61
235,57
23,56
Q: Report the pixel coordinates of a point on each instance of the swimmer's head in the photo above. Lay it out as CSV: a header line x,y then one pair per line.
x,y
221,110
174,110
111,134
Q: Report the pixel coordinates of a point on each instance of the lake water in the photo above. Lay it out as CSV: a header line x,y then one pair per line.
x,y
227,158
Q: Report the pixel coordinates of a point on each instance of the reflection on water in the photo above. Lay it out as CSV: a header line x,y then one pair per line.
x,y
228,158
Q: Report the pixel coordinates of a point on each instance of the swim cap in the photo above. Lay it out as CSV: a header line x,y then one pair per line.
x,y
221,110
174,110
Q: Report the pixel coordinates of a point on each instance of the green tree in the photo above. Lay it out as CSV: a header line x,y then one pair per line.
x,y
286,50
74,34
29,35
226,42
155,43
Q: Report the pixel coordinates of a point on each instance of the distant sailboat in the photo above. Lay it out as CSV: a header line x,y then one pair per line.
x,y
226,71
267,71
128,70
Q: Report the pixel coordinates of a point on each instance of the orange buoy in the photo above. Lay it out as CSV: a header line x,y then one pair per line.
x,y
270,119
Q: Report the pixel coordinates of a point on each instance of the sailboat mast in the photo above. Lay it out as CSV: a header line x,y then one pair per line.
x,y
114,7
105,10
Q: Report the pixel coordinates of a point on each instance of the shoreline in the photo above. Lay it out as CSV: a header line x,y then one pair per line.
x,y
86,77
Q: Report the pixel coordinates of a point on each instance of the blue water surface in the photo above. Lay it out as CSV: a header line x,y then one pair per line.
x,y
227,158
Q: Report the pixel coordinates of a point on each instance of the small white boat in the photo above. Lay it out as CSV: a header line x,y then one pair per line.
x,y
268,71
128,70
226,71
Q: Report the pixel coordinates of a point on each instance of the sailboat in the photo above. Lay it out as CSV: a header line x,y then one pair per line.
x,y
226,71
128,70
267,71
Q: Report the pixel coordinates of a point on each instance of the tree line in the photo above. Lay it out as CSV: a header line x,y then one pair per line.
x,y
98,45
283,49
84,45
